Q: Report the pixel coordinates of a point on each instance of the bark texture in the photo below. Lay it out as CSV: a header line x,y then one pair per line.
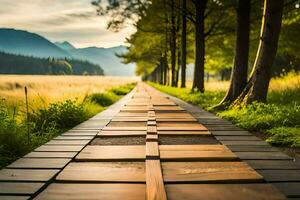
x,y
183,46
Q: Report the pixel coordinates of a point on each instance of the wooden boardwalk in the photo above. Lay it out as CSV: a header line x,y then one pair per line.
x,y
153,146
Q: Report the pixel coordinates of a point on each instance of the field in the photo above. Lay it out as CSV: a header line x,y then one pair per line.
x,y
55,104
47,89
278,121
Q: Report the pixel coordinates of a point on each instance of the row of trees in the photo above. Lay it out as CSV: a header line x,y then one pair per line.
x,y
209,33
18,64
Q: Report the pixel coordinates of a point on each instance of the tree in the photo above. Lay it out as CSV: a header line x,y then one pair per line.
x,y
257,86
240,67
183,45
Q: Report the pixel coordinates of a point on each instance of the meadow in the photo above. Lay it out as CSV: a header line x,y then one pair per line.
x,y
55,104
278,121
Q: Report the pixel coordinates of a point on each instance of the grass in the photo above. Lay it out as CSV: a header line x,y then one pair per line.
x,y
50,117
279,119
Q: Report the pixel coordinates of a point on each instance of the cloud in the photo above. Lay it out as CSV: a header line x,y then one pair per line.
x,y
59,20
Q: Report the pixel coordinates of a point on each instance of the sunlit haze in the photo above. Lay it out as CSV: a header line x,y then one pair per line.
x,y
61,20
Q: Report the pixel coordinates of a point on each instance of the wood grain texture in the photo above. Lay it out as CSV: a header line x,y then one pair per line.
x,y
40,163
196,152
152,150
115,191
19,188
60,148
154,181
103,172
217,172
223,191
50,154
108,153
26,174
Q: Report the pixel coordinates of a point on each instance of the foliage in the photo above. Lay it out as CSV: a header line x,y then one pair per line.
x,y
46,123
18,64
279,119
122,90
103,99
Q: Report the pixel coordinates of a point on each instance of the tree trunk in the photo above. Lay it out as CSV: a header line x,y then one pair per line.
x,y
240,67
198,83
183,46
173,44
257,87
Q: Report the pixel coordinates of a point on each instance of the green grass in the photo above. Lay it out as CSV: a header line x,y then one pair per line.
x,y
47,122
279,119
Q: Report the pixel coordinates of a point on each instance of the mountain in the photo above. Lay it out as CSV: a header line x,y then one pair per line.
x,y
29,44
65,45
106,57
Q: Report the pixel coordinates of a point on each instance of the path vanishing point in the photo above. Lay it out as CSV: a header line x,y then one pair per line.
x,y
152,146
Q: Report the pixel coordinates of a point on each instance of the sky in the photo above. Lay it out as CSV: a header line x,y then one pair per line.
x,y
75,21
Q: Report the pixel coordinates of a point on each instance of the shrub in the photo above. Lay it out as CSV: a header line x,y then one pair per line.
x,y
123,90
103,99
61,115
285,136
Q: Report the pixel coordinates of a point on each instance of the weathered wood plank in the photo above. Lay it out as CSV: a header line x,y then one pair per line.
x,y
273,164
9,188
257,143
73,137
252,148
58,191
26,174
231,133
216,172
238,138
151,137
39,163
7,197
68,142
154,181
109,153
262,156
280,175
35,154
223,191
103,172
289,189
196,152
61,148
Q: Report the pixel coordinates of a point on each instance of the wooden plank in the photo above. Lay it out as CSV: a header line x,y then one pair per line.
x,y
151,130
154,181
131,119
122,133
74,137
216,172
127,124
262,156
103,172
50,154
79,133
289,189
7,197
39,163
50,148
188,119
152,151
108,153
196,152
183,128
151,137
68,142
251,148
280,175
125,128
9,188
58,191
178,124
203,133
272,164
223,191
151,123
257,143
238,138
26,174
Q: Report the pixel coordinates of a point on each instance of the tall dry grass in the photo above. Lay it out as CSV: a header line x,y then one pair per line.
x,y
43,90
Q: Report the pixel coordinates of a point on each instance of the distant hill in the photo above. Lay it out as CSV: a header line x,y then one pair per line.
x,y
30,44
65,45
17,64
111,64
